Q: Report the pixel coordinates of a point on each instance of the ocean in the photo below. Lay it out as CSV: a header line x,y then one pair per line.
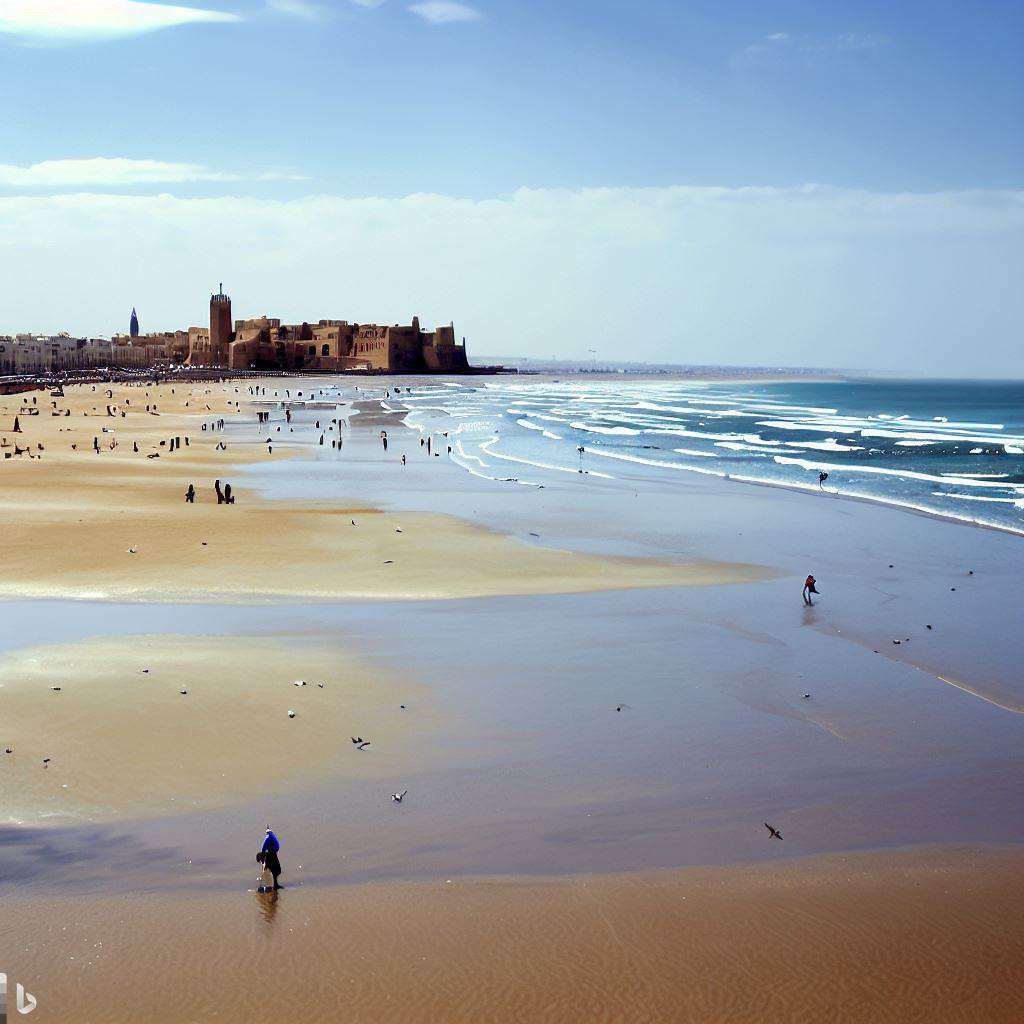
x,y
952,448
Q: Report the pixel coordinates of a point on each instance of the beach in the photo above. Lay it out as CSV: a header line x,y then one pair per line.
x,y
597,685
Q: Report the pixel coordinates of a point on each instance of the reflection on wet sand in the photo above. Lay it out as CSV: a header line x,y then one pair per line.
x,y
884,938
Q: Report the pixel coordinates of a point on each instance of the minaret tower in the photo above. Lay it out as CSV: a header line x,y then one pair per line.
x,y
133,326
221,332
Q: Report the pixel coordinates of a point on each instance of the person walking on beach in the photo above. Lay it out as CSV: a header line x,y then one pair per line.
x,y
809,588
190,494
268,856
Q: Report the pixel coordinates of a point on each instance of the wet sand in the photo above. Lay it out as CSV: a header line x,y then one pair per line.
x,y
115,525
904,936
122,739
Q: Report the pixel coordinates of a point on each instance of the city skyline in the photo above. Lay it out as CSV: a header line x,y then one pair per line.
x,y
747,184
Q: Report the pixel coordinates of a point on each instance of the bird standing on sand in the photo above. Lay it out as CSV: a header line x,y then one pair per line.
x,y
773,832
399,797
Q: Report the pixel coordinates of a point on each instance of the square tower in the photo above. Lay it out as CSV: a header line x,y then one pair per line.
x,y
221,331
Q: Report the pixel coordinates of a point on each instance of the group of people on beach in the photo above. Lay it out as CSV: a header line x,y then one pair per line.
x,y
224,494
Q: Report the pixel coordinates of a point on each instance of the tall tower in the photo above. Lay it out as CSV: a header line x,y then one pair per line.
x,y
133,326
220,328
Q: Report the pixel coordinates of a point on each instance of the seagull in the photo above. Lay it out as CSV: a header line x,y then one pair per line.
x,y
356,740
291,714
132,551
398,797
621,707
774,832
362,744
299,682
183,692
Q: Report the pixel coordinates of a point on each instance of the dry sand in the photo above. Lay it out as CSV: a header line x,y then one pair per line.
x,y
123,740
115,525
929,936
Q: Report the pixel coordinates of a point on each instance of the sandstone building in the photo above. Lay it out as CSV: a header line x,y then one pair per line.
x,y
264,343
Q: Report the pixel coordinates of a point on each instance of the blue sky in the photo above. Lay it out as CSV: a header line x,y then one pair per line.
x,y
700,125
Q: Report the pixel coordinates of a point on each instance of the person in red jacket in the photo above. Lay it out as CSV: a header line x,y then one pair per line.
x,y
809,588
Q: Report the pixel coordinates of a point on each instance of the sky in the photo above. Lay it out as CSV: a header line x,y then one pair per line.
x,y
730,182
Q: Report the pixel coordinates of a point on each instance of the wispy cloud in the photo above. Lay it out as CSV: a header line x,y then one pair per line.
x,y
106,172
445,12
304,9
861,41
79,21
776,46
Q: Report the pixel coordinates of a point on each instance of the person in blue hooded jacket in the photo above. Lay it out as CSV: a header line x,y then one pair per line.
x,y
268,856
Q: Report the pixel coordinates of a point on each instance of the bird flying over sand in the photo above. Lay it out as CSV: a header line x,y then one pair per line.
x,y
398,797
773,832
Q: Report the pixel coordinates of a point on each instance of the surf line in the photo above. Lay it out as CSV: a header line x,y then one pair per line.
x,y
1017,709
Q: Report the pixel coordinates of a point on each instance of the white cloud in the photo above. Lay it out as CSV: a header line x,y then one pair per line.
x,y
774,48
861,41
303,9
810,275
444,12
89,20
115,172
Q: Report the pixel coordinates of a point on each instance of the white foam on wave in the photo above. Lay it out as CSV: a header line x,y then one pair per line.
x,y
912,435
691,451
778,407
908,474
738,446
1018,502
592,428
537,426
830,444
489,449
981,476
825,428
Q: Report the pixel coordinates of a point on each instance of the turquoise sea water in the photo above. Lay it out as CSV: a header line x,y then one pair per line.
x,y
955,448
